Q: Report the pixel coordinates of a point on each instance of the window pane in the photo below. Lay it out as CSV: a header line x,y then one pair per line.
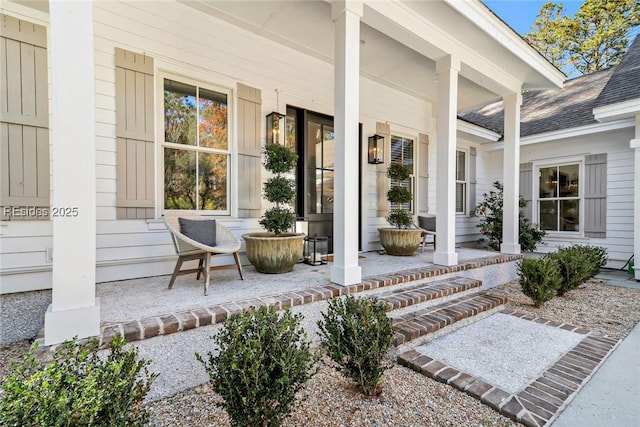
x,y
179,113
569,215
460,166
327,191
569,181
314,176
460,197
212,120
549,215
548,182
212,181
290,133
328,148
179,179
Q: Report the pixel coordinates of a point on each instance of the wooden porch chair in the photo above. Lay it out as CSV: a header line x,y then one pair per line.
x,y
188,248
428,226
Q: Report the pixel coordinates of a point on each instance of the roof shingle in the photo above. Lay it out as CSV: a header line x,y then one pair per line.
x,y
569,107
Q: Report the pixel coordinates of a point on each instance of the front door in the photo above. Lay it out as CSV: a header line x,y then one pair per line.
x,y
319,175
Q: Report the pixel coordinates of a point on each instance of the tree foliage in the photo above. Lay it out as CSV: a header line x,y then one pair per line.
x,y
597,37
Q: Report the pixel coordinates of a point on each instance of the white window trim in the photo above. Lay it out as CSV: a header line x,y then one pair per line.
x,y
161,75
466,181
559,161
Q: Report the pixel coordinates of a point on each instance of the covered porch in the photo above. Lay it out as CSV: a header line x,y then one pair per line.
x,y
403,67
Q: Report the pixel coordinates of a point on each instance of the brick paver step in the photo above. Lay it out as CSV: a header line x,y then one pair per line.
x,y
416,294
425,321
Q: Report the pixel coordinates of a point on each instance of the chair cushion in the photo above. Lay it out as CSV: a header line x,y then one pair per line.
x,y
201,230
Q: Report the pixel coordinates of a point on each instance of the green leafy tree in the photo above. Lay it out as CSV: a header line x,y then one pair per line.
x,y
597,37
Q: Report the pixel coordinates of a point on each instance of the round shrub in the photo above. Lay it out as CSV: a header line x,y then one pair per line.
x,y
78,388
356,334
263,361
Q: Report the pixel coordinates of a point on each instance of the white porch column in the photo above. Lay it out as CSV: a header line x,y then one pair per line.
x,y
74,309
511,174
346,15
635,146
447,69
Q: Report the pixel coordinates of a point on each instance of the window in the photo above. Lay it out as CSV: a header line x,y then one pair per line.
x,y
402,152
461,182
559,198
195,148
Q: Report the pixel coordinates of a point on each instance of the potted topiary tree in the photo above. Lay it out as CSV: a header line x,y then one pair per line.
x,y
402,239
278,249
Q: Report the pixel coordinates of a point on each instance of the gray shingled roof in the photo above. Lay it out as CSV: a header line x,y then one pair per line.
x,y
569,107
624,84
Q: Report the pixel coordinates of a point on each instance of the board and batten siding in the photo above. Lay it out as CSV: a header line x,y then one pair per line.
x,y
249,151
24,119
615,190
135,149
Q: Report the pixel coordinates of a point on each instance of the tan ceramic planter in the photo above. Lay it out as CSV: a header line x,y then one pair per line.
x,y
273,254
401,242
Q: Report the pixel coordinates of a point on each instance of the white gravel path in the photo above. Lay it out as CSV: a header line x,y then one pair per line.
x,y
502,350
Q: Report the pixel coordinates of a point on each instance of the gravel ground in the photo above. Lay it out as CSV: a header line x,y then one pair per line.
x,y
408,398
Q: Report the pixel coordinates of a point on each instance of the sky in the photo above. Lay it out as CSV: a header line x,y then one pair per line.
x,y
521,14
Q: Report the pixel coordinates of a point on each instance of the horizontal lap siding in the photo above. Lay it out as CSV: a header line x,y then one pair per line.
x,y
619,190
185,41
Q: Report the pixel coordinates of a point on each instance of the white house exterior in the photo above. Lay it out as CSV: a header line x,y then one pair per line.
x,y
585,135
84,148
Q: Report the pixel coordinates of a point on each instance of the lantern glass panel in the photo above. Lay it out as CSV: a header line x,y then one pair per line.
x,y
376,149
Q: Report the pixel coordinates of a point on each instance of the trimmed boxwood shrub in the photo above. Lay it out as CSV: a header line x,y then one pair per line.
x,y
539,278
573,268
78,388
263,361
577,264
356,334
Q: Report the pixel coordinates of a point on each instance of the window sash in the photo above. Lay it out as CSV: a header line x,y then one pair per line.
x,y
559,198
461,182
196,151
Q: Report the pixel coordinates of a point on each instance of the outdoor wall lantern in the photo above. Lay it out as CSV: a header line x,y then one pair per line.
x,y
376,149
275,128
316,249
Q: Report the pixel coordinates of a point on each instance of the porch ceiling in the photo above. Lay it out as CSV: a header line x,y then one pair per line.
x,y
392,60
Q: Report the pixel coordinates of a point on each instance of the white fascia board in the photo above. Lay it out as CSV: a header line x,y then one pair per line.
x,y
478,131
569,133
482,16
617,111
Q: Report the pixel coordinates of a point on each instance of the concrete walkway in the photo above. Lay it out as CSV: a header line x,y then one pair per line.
x,y
612,396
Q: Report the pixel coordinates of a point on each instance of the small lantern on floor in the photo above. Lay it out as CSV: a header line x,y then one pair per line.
x,y
275,128
316,249
376,149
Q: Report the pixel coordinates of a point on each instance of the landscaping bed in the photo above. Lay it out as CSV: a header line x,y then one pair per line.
x,y
407,398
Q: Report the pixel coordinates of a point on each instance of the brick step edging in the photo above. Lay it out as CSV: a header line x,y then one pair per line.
x,y
416,294
422,322
542,400
185,320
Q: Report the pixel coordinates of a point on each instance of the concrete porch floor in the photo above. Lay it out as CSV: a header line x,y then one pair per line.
x,y
139,298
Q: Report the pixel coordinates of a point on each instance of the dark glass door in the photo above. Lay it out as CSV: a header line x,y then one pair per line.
x,y
319,174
